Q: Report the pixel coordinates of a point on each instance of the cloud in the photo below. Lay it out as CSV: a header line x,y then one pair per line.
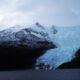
x,y
47,12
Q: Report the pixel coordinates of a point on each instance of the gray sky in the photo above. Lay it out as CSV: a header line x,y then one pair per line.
x,y
47,12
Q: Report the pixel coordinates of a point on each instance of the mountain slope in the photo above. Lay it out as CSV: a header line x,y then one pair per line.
x,y
20,46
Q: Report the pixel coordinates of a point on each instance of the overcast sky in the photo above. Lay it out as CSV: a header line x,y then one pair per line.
x,y
47,12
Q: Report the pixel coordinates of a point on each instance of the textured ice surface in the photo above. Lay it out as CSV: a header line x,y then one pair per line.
x,y
68,42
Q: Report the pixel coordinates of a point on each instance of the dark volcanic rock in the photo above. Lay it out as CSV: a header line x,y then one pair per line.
x,y
75,63
19,47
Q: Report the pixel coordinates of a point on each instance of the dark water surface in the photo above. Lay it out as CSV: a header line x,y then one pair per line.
x,y
63,74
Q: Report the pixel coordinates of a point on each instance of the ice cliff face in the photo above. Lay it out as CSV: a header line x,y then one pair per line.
x,y
67,40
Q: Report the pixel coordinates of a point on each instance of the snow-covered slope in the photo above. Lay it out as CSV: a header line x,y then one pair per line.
x,y
68,42
35,36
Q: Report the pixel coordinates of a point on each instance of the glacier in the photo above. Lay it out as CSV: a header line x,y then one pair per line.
x,y
67,40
